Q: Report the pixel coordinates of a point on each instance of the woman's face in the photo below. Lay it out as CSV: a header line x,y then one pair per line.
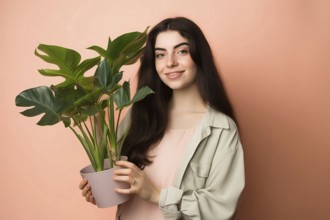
x,y
173,62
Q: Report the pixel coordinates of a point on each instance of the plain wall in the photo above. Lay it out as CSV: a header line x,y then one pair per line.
x,y
274,57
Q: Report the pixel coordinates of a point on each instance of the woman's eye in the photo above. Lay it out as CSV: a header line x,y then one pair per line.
x,y
159,55
183,52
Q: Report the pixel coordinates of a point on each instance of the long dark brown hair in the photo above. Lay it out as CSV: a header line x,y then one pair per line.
x,y
149,117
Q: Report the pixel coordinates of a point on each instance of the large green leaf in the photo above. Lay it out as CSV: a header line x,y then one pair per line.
x,y
67,61
141,94
99,50
126,44
113,86
85,101
42,101
103,73
133,57
108,81
86,65
85,83
78,99
68,93
122,96
126,49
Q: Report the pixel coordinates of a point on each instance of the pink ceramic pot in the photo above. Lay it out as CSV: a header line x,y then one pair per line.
x,y
102,186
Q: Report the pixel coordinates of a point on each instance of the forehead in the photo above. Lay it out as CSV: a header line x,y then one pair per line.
x,y
169,39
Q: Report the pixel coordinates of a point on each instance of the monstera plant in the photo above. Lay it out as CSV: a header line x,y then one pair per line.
x,y
87,104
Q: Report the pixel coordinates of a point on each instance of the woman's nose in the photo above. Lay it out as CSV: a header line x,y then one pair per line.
x,y
171,61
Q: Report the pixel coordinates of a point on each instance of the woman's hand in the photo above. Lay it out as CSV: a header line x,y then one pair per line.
x,y
86,191
139,181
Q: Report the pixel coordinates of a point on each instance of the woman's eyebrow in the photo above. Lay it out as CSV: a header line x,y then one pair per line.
x,y
176,46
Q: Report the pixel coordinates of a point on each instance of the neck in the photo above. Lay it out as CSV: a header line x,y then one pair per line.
x,y
187,100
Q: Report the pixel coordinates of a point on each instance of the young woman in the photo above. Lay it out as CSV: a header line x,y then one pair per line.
x,y
185,155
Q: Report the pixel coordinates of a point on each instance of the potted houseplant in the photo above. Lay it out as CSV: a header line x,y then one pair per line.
x,y
87,104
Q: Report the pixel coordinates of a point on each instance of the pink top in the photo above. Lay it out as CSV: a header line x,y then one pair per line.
x,y
166,158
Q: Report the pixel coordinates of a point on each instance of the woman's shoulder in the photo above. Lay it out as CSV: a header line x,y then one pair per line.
x,y
221,120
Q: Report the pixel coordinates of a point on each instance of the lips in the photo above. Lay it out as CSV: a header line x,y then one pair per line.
x,y
174,74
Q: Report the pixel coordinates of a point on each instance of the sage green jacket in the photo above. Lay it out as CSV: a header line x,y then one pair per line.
x,y
210,178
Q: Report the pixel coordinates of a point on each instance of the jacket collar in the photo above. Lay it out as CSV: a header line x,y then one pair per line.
x,y
215,119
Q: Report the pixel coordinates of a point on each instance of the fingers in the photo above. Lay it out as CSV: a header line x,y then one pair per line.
x,y
90,198
130,174
135,187
124,191
126,164
82,183
86,191
139,182
127,169
125,178
127,172
123,171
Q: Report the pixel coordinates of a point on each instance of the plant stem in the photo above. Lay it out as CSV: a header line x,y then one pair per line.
x,y
112,132
116,132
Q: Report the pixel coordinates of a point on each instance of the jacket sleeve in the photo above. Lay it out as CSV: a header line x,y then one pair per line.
x,y
223,183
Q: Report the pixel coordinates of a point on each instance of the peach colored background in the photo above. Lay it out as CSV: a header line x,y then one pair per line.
x,y
275,60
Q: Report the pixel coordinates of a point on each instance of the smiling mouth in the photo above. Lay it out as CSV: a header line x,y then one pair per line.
x,y
174,75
